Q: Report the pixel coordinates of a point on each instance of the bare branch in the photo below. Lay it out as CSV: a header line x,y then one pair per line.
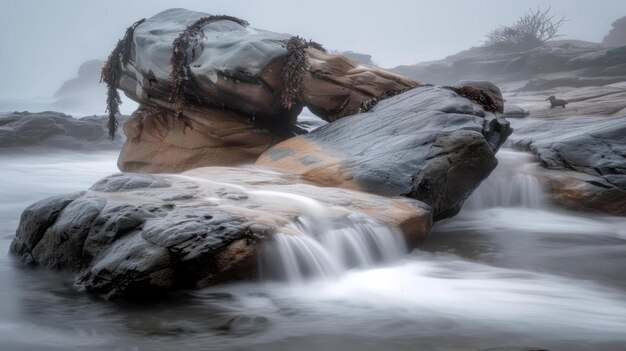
x,y
531,30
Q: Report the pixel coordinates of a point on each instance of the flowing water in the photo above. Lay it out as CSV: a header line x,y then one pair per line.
x,y
510,269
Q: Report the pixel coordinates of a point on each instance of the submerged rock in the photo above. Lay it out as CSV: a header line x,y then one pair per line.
x,y
428,143
55,129
583,157
130,234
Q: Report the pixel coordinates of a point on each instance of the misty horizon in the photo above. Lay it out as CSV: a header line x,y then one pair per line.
x,y
69,33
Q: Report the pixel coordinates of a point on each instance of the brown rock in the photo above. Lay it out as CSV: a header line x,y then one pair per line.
x,y
158,143
580,191
335,86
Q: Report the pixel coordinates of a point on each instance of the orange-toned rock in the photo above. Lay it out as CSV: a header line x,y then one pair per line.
x,y
221,92
159,143
334,86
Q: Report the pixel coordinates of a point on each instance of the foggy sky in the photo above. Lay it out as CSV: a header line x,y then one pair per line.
x,y
43,42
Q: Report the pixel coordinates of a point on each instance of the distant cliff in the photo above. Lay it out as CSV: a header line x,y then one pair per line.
x,y
565,65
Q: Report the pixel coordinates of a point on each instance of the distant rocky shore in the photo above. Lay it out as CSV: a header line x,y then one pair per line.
x,y
21,131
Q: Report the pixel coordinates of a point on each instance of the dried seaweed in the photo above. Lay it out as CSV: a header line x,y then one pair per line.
x,y
294,68
480,97
370,103
112,72
180,63
316,45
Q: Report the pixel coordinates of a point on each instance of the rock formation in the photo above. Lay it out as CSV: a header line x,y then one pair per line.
x,y
428,143
188,66
84,94
133,235
215,92
85,84
55,129
537,69
583,158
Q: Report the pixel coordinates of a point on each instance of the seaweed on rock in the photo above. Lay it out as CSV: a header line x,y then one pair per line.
x,y
180,61
112,72
478,96
294,68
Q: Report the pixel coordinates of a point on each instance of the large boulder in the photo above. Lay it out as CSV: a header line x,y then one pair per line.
x,y
197,69
583,159
133,235
55,129
428,143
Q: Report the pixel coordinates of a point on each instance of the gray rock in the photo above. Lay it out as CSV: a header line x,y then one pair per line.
x,y
585,159
265,78
225,67
574,82
35,220
120,182
514,111
428,143
137,235
86,84
58,130
609,100
575,66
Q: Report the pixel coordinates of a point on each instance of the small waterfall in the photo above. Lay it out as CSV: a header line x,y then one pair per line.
x,y
324,240
318,247
512,184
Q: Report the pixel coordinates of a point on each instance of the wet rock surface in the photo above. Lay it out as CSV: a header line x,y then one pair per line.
x,y
609,100
239,87
55,129
428,143
133,234
584,159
